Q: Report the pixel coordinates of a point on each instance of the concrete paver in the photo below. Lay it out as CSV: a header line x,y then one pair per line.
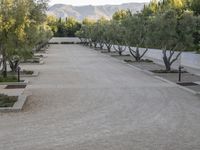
x,y
84,100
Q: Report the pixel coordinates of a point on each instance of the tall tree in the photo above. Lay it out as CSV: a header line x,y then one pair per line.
x,y
172,34
18,17
135,36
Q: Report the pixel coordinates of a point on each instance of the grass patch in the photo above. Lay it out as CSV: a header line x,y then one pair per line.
x,y
198,52
117,55
32,60
40,56
187,84
23,72
27,72
164,71
53,43
143,60
8,79
67,43
7,101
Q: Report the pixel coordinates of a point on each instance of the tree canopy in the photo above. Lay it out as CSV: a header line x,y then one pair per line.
x,y
170,25
22,28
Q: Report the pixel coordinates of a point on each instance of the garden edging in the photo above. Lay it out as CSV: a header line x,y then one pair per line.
x,y
18,106
35,74
157,77
25,82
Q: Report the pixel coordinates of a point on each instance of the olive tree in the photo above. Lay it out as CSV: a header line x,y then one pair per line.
x,y
17,18
118,40
136,35
172,34
108,35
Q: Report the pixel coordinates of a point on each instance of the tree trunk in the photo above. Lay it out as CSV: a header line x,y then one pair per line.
x,y
4,64
14,65
108,47
101,45
95,45
138,58
120,53
119,49
166,61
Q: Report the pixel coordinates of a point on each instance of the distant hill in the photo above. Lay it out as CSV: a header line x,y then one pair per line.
x,y
93,12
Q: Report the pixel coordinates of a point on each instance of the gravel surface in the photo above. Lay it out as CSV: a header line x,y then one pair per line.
x,y
85,100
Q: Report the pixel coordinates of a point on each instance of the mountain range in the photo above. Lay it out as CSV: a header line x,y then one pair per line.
x,y
90,11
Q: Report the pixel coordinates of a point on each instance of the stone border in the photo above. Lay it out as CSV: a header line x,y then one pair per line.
x,y
35,74
40,63
154,75
18,106
43,56
167,81
25,82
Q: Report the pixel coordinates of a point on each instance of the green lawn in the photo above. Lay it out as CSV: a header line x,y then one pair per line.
x,y
7,101
8,79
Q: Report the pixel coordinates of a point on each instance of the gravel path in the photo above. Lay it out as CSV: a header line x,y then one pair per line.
x,y
84,100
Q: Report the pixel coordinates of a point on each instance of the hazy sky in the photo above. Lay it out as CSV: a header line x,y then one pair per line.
x,y
93,2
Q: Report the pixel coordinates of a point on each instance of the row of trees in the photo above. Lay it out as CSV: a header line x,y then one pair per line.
x,y
23,28
63,27
170,25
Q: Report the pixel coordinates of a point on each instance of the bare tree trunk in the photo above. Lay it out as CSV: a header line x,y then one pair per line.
x,y
14,65
101,44
166,62
81,39
4,64
108,45
1,59
85,42
169,59
136,53
119,49
95,44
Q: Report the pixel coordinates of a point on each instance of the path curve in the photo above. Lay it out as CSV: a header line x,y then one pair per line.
x,y
85,100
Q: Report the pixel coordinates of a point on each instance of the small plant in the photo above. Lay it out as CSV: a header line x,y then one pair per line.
x,y
53,43
40,56
165,71
8,79
67,42
29,72
142,60
7,101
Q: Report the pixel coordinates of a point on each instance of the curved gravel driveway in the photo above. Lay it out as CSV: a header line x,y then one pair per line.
x,y
84,100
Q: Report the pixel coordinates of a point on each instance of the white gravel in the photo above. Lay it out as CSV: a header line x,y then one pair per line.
x,y
84,100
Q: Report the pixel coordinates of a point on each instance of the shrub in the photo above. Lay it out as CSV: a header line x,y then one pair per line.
x,y
8,79
7,101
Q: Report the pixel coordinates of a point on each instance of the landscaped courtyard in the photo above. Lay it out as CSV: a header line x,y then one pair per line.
x,y
87,100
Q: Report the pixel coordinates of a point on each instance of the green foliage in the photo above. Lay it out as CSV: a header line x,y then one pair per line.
x,y
22,28
121,14
172,25
27,72
170,31
63,28
8,79
7,101
195,6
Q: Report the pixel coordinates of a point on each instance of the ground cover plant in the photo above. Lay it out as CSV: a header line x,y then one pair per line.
x,y
7,101
11,78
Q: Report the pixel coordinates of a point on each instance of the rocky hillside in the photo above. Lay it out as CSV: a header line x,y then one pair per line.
x,y
93,12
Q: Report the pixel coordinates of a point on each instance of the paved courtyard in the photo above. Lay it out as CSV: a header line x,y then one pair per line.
x,y
85,100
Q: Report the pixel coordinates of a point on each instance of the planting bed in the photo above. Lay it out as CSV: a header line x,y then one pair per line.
x,y
7,101
8,79
189,80
15,87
